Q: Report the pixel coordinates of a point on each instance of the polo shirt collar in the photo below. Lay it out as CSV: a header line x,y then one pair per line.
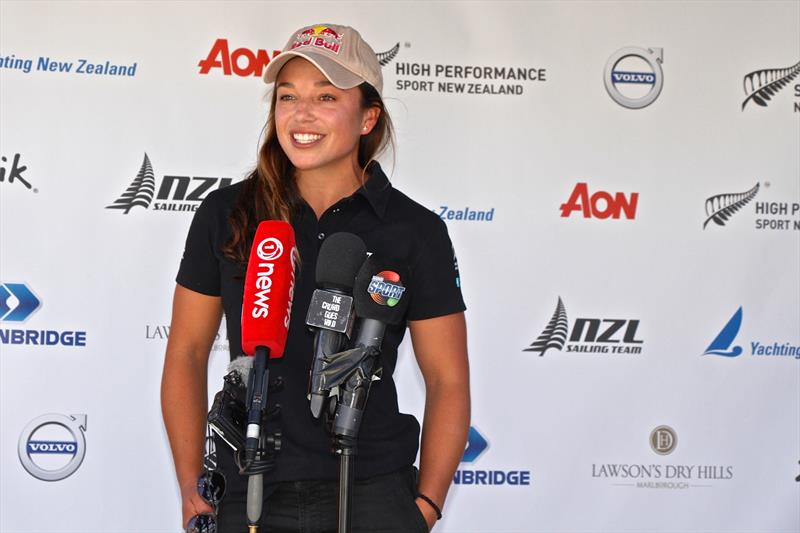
x,y
376,190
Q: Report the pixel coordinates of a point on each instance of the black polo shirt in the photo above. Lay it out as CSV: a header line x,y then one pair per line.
x,y
391,225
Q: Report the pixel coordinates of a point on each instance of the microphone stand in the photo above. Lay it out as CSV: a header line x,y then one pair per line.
x,y
353,372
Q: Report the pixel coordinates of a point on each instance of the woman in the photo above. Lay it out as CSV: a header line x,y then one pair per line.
x,y
317,171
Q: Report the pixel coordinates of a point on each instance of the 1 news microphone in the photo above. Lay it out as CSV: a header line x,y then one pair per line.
x,y
330,312
380,299
266,310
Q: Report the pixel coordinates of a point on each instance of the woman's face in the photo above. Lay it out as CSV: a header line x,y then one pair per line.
x,y
319,126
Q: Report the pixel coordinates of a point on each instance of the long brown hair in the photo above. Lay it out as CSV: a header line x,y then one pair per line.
x,y
270,191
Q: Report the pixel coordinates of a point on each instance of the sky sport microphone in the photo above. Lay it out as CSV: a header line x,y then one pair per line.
x,y
380,299
266,310
330,312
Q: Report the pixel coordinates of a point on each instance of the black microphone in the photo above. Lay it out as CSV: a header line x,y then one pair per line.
x,y
330,312
380,299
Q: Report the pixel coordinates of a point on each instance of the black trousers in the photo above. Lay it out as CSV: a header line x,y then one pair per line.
x,y
382,504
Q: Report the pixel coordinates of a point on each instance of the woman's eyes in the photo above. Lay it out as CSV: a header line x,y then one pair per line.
x,y
322,97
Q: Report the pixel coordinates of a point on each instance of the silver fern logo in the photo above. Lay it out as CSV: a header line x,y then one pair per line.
x,y
141,190
761,85
587,335
554,334
384,58
720,207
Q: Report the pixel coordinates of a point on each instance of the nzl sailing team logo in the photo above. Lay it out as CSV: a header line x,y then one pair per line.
x,y
176,193
52,446
587,335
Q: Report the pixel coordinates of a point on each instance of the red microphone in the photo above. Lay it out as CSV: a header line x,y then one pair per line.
x,y
266,310
269,289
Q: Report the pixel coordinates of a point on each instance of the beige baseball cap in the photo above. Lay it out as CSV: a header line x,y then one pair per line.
x,y
337,51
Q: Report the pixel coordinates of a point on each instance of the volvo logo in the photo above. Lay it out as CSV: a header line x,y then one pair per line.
x,y
52,446
633,76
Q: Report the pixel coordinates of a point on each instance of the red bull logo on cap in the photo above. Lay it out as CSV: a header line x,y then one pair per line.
x,y
319,36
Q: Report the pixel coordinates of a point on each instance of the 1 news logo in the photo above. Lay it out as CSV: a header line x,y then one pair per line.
x,y
176,193
17,304
475,448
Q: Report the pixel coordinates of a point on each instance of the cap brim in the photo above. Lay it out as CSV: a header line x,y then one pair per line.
x,y
336,74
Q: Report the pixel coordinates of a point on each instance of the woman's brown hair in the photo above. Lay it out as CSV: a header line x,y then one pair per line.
x,y
270,191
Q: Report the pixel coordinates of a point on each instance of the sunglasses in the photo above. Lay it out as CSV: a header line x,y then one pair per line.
x,y
210,487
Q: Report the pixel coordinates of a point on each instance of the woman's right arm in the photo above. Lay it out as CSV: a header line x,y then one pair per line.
x,y
184,395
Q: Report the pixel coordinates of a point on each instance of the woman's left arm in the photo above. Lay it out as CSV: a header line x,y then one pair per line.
x,y
440,346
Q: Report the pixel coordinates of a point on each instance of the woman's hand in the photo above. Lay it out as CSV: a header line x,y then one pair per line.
x,y
193,503
427,512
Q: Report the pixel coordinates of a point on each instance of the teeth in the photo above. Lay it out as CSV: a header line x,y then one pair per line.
x,y
305,138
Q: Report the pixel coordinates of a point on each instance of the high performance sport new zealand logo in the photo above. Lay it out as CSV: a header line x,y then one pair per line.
x,y
721,207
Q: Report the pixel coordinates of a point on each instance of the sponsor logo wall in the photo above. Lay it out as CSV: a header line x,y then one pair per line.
x,y
623,196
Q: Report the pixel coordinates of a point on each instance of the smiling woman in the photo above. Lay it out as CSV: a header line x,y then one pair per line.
x,y
317,170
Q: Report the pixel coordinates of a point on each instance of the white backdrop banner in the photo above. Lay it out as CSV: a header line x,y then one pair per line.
x,y
621,181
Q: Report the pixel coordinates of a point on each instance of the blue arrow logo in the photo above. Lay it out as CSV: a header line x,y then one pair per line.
x,y
17,302
722,343
476,445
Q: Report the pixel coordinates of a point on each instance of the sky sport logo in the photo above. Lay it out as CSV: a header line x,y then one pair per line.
x,y
385,288
475,448
588,335
761,85
176,193
17,304
245,62
723,343
52,446
633,76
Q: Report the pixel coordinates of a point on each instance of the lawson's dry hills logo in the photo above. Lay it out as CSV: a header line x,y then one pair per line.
x,y
244,62
761,85
769,214
587,335
176,193
646,474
